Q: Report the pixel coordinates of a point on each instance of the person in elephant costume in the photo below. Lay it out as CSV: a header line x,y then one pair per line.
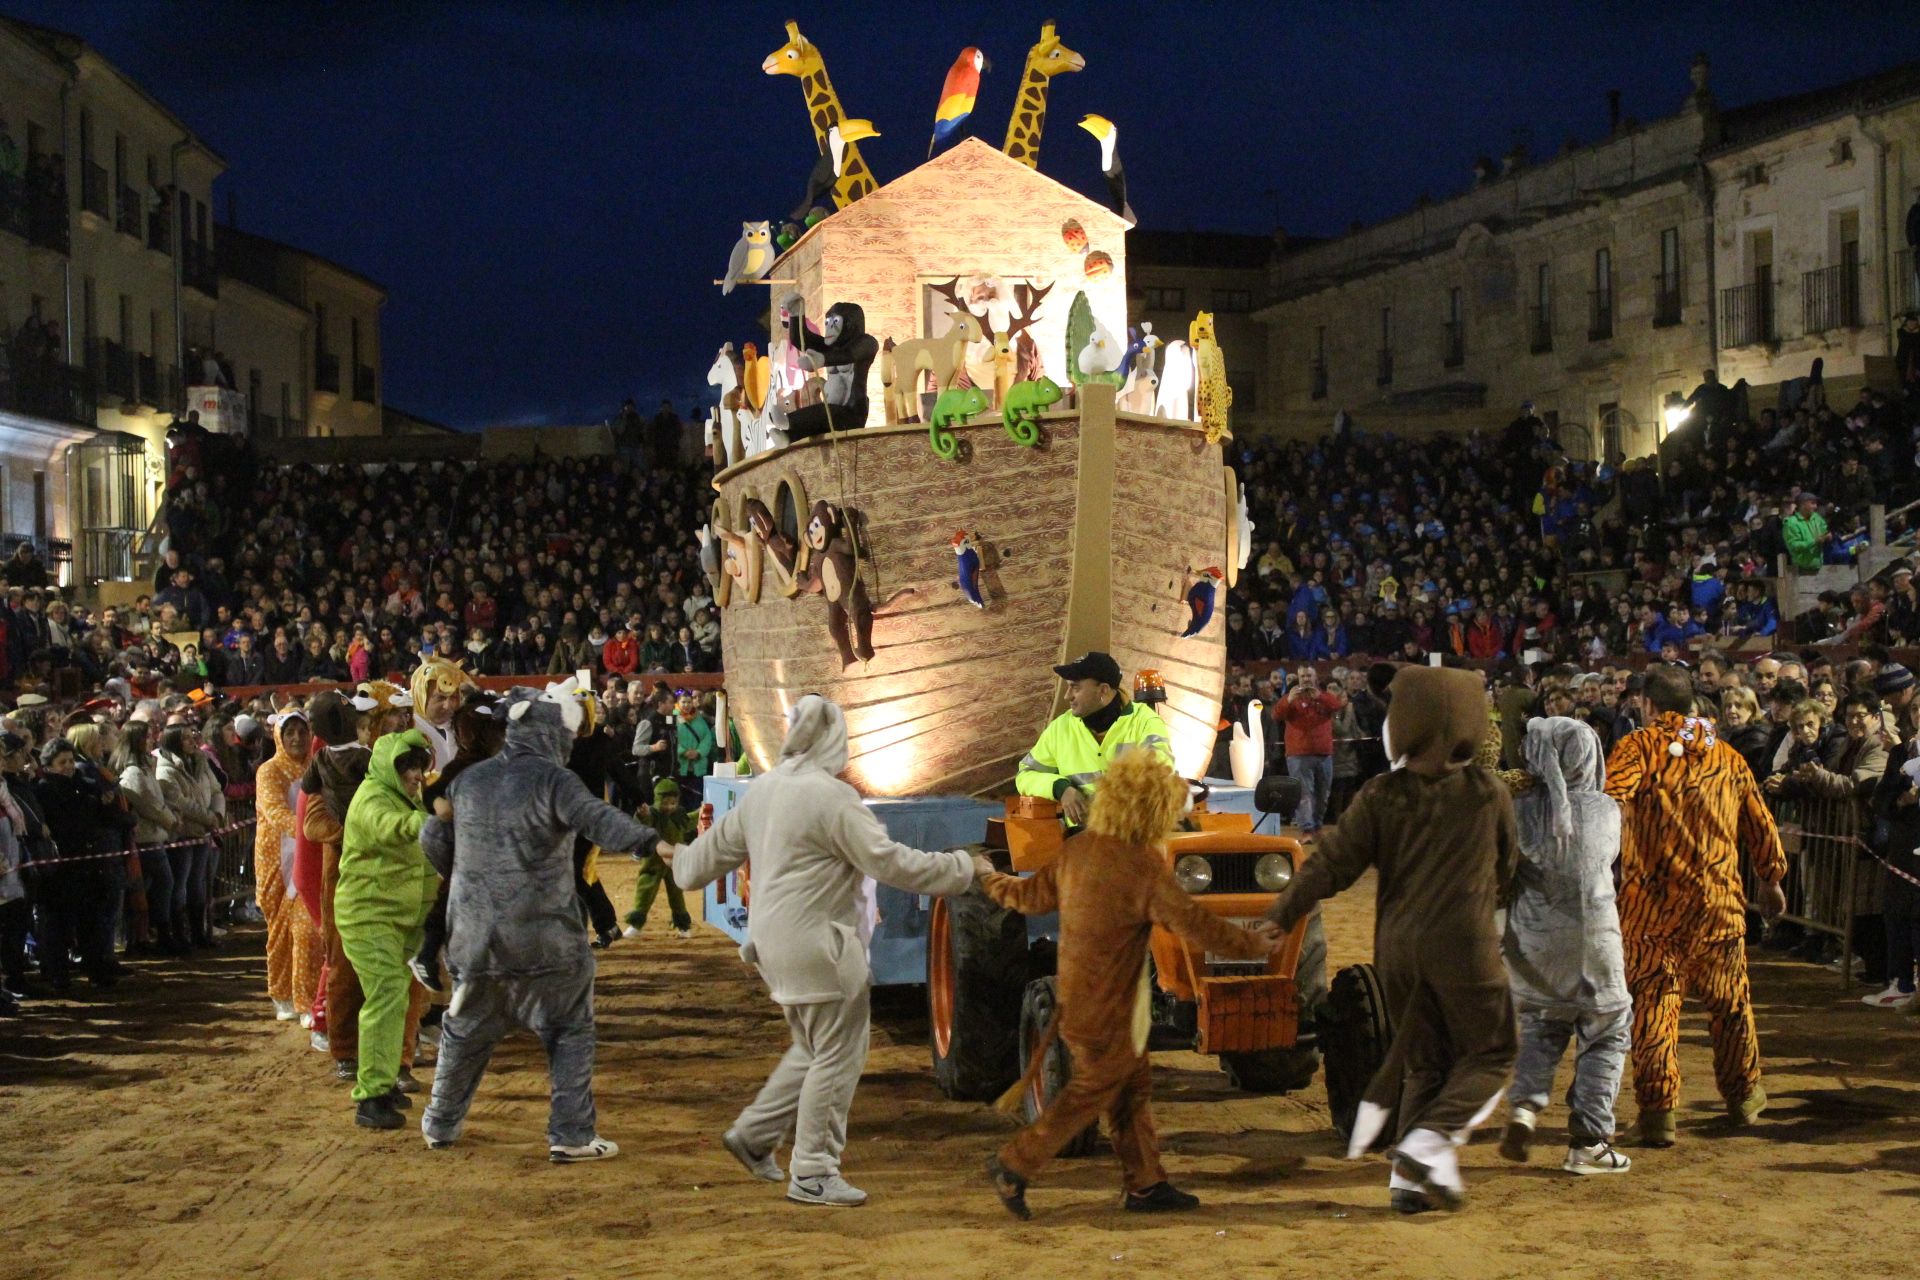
x,y
1440,831
517,950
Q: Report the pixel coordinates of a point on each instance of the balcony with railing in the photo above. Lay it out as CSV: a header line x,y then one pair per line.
x,y
1383,366
1317,379
1453,344
1746,314
159,384
364,384
1540,328
160,228
116,370
1666,302
1599,315
198,268
130,213
326,373
96,190
49,222
1906,291
1830,298
46,387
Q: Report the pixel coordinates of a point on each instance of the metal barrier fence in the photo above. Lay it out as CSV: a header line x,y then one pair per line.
x,y
1830,876
233,861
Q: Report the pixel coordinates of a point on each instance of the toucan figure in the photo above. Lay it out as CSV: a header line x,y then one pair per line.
x,y
1200,597
967,558
1108,135
827,169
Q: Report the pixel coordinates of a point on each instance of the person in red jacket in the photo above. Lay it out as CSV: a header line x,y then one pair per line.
x,y
1308,713
1483,638
621,655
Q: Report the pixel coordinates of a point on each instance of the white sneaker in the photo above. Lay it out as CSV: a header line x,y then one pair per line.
x,y
1892,998
1598,1158
318,1039
599,1149
306,1022
763,1166
683,933
631,931
831,1190
283,1011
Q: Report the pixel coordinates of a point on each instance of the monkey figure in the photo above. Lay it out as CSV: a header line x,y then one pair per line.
x,y
832,572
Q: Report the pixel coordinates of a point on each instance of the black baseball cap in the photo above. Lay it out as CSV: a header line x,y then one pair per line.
x,y
1092,666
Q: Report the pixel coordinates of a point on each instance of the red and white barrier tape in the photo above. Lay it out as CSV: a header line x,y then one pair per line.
x,y
37,863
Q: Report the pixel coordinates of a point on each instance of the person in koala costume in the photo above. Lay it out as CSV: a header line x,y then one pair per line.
x,y
846,349
813,845
1439,829
517,950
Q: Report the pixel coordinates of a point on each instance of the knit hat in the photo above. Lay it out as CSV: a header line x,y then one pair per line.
x,y
1892,679
664,788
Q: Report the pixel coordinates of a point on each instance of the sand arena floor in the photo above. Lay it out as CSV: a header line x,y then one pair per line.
x,y
173,1129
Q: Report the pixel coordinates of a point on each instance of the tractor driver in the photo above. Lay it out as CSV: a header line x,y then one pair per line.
x,y
1076,748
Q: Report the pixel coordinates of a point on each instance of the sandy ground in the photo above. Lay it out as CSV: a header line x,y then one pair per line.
x,y
174,1130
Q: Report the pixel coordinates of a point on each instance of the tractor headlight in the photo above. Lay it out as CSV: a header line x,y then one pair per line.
x,y
1193,873
1273,872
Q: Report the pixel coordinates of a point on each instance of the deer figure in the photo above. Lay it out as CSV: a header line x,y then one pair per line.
x,y
799,57
1003,341
943,358
1047,59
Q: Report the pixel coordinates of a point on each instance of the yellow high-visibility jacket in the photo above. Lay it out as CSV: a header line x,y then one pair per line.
x,y
1067,756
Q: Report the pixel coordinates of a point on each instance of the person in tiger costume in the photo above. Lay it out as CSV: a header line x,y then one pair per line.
x,y
1690,806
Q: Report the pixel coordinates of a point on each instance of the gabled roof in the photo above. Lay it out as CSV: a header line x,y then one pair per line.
x,y
975,170
1761,120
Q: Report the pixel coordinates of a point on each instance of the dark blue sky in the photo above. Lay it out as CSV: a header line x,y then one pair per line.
x,y
548,189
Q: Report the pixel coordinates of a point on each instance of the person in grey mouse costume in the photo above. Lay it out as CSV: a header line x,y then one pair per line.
x,y
814,843
1439,831
517,950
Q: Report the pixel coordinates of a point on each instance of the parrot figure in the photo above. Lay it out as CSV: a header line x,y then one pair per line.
x,y
752,255
957,95
967,557
1200,601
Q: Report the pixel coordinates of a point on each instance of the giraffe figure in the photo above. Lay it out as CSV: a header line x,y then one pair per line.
x,y
1045,60
799,57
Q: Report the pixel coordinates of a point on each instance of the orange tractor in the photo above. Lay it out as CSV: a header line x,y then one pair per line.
x,y
990,971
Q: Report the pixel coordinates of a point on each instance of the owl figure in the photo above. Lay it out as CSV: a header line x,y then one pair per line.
x,y
752,255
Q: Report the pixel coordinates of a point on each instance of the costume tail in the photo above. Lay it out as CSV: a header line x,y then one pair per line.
x,y
1009,1101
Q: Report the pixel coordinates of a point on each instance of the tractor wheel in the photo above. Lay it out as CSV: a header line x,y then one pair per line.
x,y
1284,1070
1355,1029
1036,1011
976,972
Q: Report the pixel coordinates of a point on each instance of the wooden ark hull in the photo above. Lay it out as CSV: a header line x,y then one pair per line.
x,y
1086,540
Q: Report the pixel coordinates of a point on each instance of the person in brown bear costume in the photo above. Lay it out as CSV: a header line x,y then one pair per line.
x,y
1439,830
1111,885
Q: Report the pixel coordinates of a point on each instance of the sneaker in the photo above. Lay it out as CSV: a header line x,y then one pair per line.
x,y
437,1144
283,1011
606,939
426,974
306,1022
1598,1158
405,1082
1748,1109
1427,1160
1654,1129
598,1149
682,931
1517,1142
378,1113
762,1166
631,931
398,1100
832,1190
346,1069
1161,1197
318,1041
1891,998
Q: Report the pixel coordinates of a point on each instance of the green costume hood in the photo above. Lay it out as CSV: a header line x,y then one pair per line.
x,y
381,772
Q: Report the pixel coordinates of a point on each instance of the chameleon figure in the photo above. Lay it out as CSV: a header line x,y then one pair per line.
x,y
1021,413
955,404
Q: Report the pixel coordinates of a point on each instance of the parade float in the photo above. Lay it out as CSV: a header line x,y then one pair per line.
x,y
946,465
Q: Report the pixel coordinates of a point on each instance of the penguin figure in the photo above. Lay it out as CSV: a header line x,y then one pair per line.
x,y
752,255
826,170
1108,135
967,558
1200,601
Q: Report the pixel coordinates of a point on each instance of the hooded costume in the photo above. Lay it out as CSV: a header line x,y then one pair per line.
x,y
1111,885
1562,944
1439,830
1692,807
847,350
385,889
516,948
813,845
294,949
437,675
676,827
